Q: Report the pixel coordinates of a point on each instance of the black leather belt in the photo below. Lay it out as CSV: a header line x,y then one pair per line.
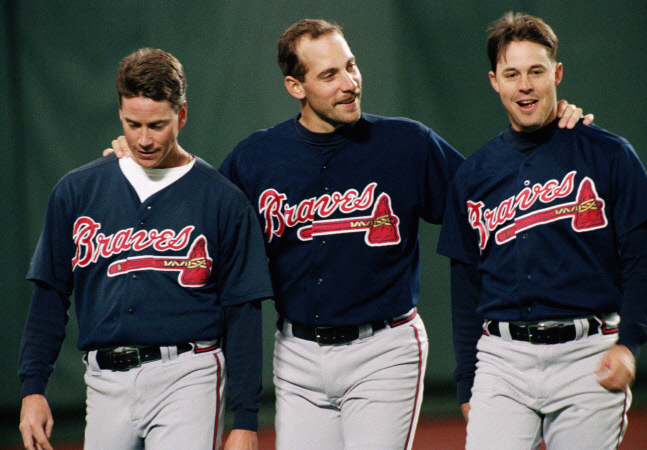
x,y
130,358
538,333
339,334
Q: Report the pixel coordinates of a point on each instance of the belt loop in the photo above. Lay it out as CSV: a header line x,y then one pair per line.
x,y
287,328
504,329
365,331
169,354
91,359
581,328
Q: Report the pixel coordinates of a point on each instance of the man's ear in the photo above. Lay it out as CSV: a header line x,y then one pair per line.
x,y
294,87
493,81
559,73
182,113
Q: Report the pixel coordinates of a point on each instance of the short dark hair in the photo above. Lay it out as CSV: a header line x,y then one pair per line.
x,y
153,73
287,56
519,27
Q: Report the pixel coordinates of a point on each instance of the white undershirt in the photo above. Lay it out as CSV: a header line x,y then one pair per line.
x,y
147,181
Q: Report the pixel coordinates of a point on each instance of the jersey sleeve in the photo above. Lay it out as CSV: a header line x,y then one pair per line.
x,y
244,275
229,169
630,183
42,338
457,239
442,162
52,260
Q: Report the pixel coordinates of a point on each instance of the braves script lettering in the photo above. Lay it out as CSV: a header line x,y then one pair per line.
x,y
587,212
278,214
380,228
91,244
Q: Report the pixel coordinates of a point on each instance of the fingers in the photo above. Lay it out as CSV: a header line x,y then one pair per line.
x,y
36,422
617,369
614,381
119,147
36,437
124,149
570,116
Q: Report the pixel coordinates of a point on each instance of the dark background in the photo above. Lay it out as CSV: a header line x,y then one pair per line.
x,y
423,60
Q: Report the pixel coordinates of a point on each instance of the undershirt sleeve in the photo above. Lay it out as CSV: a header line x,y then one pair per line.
x,y
42,338
466,325
242,347
633,313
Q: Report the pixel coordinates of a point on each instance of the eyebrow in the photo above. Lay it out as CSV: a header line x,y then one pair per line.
x,y
334,70
331,71
136,122
534,66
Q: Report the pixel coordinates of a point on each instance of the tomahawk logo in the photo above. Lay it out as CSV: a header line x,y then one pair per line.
x,y
381,227
194,270
586,212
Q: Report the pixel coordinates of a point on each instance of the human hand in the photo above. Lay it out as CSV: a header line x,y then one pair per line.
x,y
465,409
119,147
617,369
570,114
36,422
241,440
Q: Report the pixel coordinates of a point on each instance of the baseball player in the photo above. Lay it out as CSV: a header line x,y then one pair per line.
x,y
548,235
167,265
339,195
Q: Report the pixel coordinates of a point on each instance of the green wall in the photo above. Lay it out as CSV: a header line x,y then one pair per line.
x,y
421,59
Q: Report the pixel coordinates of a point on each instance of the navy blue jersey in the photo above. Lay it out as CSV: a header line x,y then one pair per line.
x,y
341,220
157,272
541,219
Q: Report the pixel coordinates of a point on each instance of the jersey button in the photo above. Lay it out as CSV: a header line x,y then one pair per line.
x,y
131,311
143,223
135,277
320,280
526,277
322,243
524,236
526,183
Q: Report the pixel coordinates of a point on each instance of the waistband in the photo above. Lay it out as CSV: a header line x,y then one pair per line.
x,y
549,332
344,333
126,358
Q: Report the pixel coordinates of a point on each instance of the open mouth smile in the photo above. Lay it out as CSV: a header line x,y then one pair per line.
x,y
527,104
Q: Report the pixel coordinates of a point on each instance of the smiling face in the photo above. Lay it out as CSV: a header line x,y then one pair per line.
x,y
331,89
526,79
151,128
